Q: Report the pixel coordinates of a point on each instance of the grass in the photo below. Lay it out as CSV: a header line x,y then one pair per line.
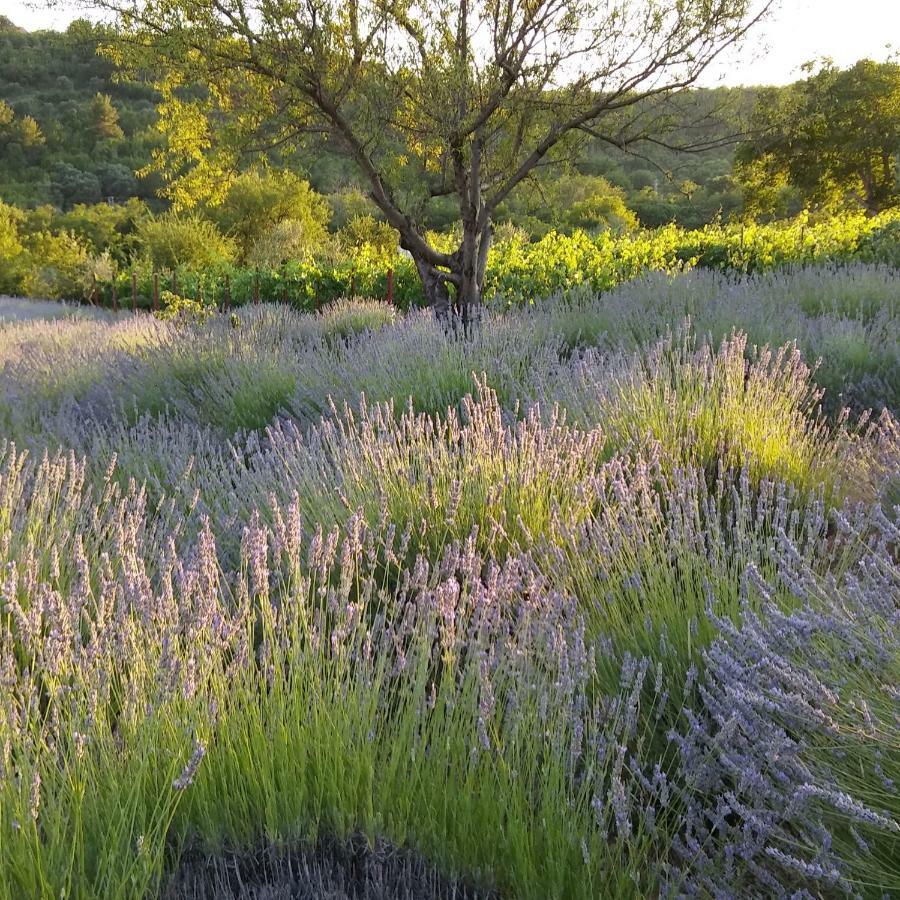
x,y
707,410
594,602
16,309
346,319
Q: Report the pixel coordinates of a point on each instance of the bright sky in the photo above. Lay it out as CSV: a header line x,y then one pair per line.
x,y
798,31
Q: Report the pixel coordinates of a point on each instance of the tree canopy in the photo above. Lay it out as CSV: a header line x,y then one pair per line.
x,y
835,137
466,99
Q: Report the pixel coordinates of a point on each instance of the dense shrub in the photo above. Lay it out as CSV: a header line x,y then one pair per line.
x,y
170,241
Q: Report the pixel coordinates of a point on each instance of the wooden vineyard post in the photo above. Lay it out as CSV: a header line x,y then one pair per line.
x,y
390,287
256,288
155,291
134,292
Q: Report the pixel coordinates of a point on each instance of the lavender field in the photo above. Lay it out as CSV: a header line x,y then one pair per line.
x,y
601,599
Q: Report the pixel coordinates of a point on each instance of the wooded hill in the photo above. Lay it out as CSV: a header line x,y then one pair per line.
x,y
71,133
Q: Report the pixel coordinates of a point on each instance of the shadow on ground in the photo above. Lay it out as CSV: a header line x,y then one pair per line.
x,y
329,870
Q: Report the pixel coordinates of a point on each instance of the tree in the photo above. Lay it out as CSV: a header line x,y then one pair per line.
x,y
568,202
11,249
7,115
835,137
257,202
73,185
117,181
29,132
171,240
105,118
467,98
7,25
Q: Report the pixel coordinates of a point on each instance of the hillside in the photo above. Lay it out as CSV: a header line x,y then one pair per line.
x,y
71,133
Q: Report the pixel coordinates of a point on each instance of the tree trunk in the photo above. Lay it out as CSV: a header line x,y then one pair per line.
x,y
458,289
434,286
468,295
869,187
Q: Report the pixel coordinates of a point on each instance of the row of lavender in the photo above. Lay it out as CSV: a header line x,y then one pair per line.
x,y
239,372
584,604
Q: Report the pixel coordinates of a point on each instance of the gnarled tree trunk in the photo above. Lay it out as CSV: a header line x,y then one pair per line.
x,y
458,288
434,285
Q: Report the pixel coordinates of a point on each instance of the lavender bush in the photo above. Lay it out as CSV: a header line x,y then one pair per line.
x,y
594,601
790,756
845,320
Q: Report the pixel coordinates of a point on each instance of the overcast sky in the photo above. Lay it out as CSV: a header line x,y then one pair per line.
x,y
800,30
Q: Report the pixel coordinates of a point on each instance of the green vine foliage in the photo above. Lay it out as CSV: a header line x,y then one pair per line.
x,y
521,273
